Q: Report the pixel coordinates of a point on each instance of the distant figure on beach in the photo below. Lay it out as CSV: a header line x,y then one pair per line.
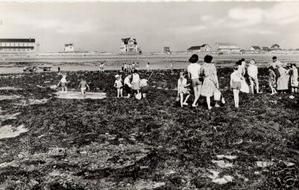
x,y
58,69
102,64
148,66
183,89
210,84
294,78
194,74
119,86
63,83
235,84
253,73
83,86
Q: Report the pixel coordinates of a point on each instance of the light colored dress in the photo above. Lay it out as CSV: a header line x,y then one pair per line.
x,y
209,86
182,86
283,80
135,81
294,78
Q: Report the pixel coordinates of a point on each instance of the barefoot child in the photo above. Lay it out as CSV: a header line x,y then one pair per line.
x,y
272,80
83,86
183,90
294,78
63,83
235,84
119,86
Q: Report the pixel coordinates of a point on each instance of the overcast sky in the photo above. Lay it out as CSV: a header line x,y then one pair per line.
x,y
99,25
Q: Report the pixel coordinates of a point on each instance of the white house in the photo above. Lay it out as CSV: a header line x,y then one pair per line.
x,y
201,48
227,48
69,47
129,45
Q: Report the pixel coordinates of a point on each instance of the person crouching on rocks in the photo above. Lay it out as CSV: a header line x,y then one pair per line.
x,y
144,88
63,83
83,86
183,90
128,85
119,86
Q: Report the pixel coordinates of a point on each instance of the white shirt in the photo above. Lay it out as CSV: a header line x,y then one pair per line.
x,y
194,70
252,71
127,81
135,78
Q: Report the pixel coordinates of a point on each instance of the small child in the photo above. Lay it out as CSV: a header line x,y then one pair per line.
x,y
272,80
119,86
83,86
235,84
294,78
183,90
63,83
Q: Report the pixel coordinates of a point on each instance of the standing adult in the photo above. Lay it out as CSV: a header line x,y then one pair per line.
x,y
194,73
283,79
275,64
253,72
135,81
210,83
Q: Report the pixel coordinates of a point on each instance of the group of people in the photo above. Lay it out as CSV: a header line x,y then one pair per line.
x,y
204,81
130,67
282,77
132,85
244,78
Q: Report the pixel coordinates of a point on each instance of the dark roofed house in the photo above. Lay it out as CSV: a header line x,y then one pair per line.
x,y
275,47
255,48
201,48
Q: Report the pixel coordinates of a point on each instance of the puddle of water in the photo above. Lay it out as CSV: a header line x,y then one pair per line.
x,y
230,157
8,131
78,95
9,116
222,164
9,88
32,102
263,164
219,180
141,185
9,97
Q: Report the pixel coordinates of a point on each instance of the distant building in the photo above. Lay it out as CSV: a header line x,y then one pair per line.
x,y
227,48
129,46
266,48
201,48
166,50
17,45
69,47
254,49
275,47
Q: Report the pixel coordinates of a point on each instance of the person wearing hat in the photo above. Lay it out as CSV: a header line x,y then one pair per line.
x,y
194,74
119,86
253,72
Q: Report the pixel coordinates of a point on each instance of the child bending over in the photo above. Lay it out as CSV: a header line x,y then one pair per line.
x,y
83,86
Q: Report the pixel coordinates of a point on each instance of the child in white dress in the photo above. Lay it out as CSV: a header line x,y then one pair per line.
x,y
119,86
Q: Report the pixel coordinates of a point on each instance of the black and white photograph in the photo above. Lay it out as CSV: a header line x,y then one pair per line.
x,y
149,95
